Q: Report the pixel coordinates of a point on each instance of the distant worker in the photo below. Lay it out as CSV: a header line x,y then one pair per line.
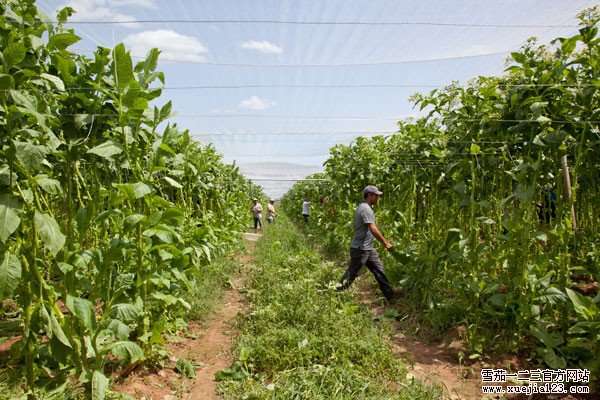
x,y
305,209
257,213
362,251
271,213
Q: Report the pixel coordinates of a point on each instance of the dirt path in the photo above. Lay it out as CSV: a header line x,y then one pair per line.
x,y
207,345
434,363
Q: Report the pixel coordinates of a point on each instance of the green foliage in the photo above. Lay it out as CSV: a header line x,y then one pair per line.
x,y
468,198
304,340
108,213
185,368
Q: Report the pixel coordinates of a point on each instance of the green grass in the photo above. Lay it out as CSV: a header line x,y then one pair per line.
x,y
206,287
303,340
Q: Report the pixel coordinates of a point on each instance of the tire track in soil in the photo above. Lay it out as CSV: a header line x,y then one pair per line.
x,y
207,345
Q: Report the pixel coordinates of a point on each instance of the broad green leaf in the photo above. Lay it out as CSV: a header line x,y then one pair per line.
x,y
475,149
134,219
134,99
173,182
55,80
121,330
83,309
552,359
550,340
57,330
584,306
48,185
106,149
14,53
9,222
65,66
123,68
6,82
568,45
518,57
162,232
61,41
165,111
168,299
127,312
151,60
25,100
99,385
30,155
49,231
127,351
134,190
10,274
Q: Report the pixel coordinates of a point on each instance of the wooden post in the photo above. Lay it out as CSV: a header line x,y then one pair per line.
x,y
568,192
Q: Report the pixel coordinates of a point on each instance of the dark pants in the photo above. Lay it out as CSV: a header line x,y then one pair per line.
x,y
257,222
305,218
369,258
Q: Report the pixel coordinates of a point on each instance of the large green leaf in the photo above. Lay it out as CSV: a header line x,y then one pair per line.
x,y
61,41
30,155
6,82
127,312
48,185
584,306
14,53
127,351
55,80
548,339
552,359
106,149
99,385
134,190
9,222
10,274
120,329
83,309
49,232
172,182
123,67
54,327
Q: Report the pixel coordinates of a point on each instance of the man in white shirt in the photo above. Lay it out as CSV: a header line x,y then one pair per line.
x,y
271,213
305,209
257,213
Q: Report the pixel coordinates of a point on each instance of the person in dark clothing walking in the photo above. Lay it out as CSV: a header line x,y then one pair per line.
x,y
362,251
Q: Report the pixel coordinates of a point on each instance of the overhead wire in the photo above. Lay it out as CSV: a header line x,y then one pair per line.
x,y
346,118
314,86
314,23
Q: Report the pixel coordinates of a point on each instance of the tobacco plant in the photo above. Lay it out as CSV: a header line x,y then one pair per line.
x,y
107,210
475,198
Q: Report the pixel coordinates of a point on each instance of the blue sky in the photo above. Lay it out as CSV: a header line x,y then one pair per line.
x,y
427,55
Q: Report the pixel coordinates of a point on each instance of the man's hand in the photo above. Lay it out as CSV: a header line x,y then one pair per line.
x,y
388,245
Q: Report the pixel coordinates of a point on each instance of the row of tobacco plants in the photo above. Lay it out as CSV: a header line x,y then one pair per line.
x,y
489,232
105,220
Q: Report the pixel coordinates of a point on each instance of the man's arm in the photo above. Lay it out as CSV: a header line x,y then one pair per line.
x,y
379,236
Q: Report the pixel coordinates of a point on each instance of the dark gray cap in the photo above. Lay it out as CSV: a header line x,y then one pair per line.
x,y
372,189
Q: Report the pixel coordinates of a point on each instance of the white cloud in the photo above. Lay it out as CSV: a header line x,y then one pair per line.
x,y
256,103
106,10
134,3
173,46
262,46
